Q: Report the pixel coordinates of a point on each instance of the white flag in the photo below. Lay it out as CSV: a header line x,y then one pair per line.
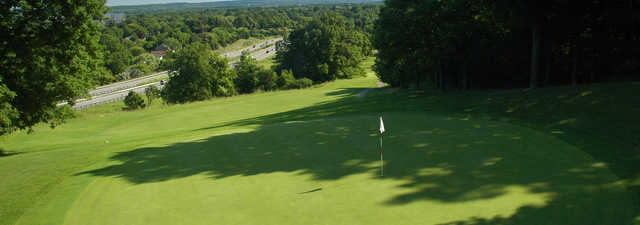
x,y
381,126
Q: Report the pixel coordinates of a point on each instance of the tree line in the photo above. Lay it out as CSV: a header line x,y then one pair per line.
x,y
324,49
54,51
461,44
127,44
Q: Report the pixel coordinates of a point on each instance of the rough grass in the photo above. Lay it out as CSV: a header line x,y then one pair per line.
x,y
550,156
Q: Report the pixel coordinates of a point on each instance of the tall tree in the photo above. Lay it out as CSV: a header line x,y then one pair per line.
x,y
197,74
49,54
246,71
325,49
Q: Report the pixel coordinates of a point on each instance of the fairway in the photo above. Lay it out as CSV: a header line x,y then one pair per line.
x,y
301,157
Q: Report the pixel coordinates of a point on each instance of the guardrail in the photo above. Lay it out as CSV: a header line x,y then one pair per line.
x,y
118,91
126,84
118,96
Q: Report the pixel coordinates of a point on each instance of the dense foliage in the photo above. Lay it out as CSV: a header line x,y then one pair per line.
x,y
197,74
126,41
151,92
247,70
133,101
325,49
181,7
54,51
49,54
525,43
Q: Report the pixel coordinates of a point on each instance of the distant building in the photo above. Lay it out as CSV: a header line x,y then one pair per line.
x,y
114,18
160,53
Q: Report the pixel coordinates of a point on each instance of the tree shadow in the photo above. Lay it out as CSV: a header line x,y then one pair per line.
x,y
3,153
346,92
452,164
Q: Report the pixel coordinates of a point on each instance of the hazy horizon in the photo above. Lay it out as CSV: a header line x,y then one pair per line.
x,y
147,2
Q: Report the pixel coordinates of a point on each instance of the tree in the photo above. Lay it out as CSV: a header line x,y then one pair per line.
x,y
118,61
50,53
196,74
267,80
443,44
285,79
151,92
325,49
505,43
137,51
247,71
8,113
146,63
133,101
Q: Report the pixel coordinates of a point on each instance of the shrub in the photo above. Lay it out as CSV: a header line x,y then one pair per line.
x,y
267,80
133,101
151,92
247,80
137,50
285,79
301,83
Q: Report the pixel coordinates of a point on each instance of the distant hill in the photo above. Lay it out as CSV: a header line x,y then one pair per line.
x,y
173,7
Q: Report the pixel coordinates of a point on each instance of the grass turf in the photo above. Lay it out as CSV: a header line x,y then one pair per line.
x,y
310,157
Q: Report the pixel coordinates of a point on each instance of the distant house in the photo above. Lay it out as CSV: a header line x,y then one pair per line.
x,y
159,53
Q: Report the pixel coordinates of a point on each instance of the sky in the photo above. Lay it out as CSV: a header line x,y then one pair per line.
x,y
145,2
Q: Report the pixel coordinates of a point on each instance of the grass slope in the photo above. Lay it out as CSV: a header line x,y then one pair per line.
x,y
310,157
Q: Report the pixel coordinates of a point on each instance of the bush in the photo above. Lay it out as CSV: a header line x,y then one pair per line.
x,y
301,83
151,92
247,80
133,101
267,80
285,79
137,50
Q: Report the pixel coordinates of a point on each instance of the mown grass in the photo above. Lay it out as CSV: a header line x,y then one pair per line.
x,y
565,155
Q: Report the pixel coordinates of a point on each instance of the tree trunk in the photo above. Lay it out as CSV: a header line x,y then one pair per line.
x,y
594,67
465,75
417,74
577,52
548,61
442,83
535,54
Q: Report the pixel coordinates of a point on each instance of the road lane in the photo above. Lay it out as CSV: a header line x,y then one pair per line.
x,y
118,91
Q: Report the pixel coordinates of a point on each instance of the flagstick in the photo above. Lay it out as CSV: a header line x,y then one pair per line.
x,y
381,159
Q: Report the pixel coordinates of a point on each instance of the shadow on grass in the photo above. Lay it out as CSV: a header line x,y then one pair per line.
x,y
5,154
441,160
346,92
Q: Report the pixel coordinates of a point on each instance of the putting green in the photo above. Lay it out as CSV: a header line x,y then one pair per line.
x,y
438,170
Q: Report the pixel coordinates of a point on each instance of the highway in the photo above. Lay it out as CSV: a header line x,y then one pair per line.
x,y
259,55
126,84
113,96
251,49
118,91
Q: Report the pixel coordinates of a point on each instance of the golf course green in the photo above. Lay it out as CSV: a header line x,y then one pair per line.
x,y
311,157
